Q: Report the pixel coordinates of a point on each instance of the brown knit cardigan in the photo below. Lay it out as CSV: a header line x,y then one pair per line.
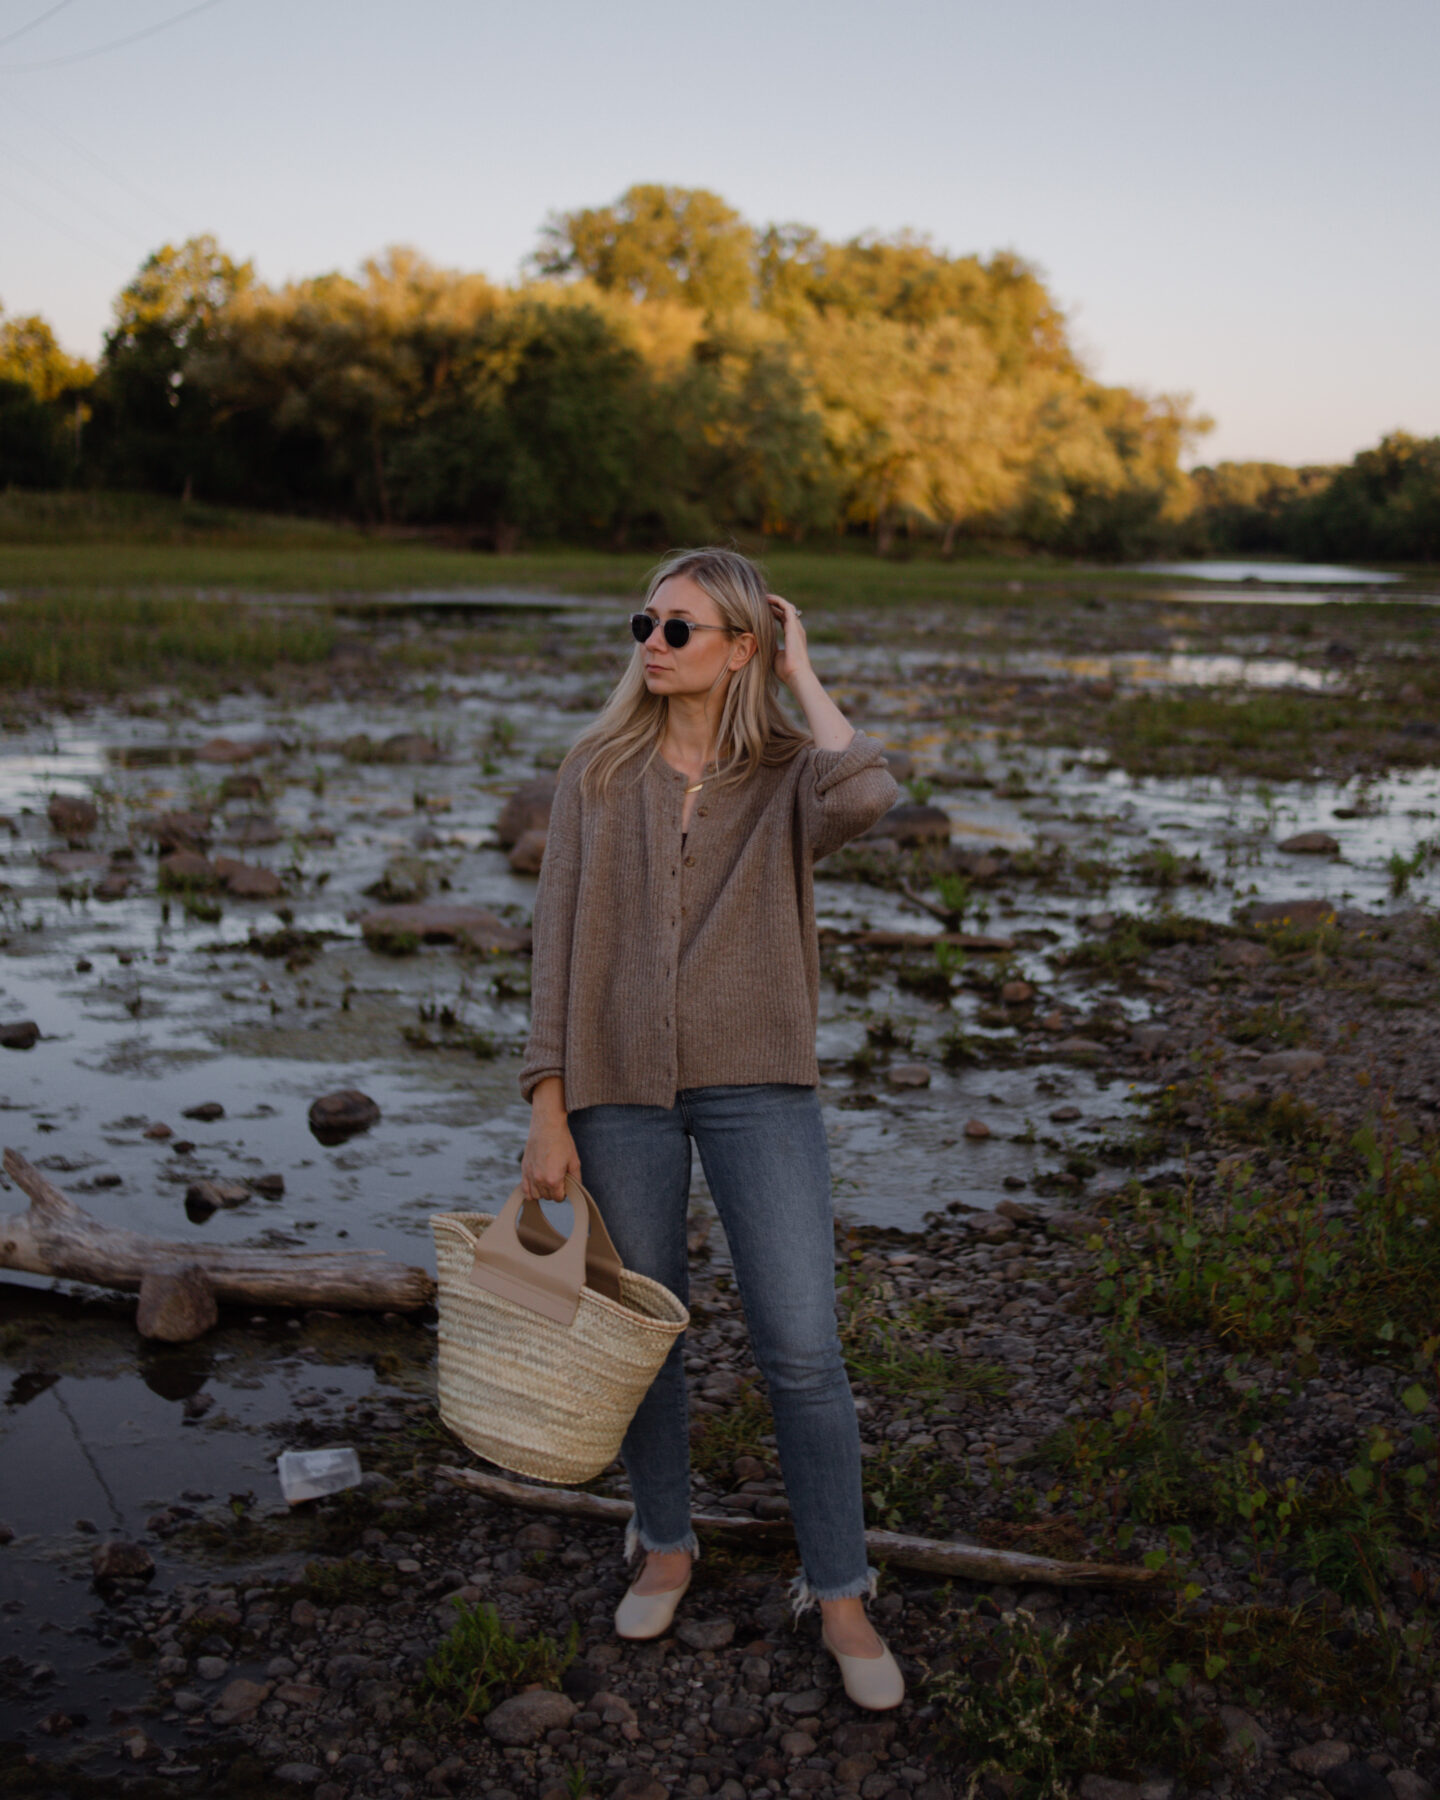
x,y
661,966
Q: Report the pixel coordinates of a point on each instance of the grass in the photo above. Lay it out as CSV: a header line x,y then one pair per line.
x,y
115,642
886,1343
1133,936
482,1658
716,1439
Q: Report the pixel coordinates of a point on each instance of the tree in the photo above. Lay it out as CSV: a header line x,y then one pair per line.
x,y
157,417
657,243
42,404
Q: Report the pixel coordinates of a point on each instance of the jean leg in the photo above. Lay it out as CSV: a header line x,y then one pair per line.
x,y
765,1157
635,1160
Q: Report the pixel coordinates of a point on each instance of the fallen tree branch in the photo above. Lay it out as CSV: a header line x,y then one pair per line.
x,y
56,1237
967,1562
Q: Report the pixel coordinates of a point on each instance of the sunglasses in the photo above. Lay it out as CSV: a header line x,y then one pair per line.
x,y
676,631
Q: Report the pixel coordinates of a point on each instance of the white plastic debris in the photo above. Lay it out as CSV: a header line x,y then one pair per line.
x,y
311,1474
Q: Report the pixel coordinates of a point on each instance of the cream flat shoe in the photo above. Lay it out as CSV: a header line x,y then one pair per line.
x,y
648,1615
874,1682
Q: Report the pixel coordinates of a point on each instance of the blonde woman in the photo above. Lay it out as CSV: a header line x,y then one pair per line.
x,y
676,976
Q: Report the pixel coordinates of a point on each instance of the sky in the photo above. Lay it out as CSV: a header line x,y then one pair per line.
x,y
1235,201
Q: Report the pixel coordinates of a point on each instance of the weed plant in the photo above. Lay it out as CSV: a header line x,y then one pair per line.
x,y
482,1658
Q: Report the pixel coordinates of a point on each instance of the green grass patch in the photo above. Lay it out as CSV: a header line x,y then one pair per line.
x,y
716,1439
111,643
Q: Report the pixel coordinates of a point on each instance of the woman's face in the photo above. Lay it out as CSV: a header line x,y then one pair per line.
x,y
701,664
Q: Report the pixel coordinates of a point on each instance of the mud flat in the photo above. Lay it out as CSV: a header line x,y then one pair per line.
x,y
1133,1112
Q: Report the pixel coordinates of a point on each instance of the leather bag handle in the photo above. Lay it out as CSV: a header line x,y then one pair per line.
x,y
525,1259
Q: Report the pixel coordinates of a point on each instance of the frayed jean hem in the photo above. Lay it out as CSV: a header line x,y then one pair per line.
x,y
803,1595
637,1544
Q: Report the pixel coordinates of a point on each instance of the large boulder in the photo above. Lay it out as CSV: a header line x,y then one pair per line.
x,y
527,809
72,817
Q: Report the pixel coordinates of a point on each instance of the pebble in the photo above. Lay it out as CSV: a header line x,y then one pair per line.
x,y
977,1128
1357,1780
20,1034
705,1634
908,1075
212,1668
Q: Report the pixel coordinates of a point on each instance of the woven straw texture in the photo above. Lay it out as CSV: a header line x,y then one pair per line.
x,y
549,1401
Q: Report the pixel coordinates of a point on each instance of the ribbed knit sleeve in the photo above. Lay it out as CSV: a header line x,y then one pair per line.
x,y
554,936
844,792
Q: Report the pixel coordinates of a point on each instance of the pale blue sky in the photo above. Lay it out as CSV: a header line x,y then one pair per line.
x,y
1237,199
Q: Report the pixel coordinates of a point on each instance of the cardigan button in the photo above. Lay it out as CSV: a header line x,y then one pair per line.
x,y
689,862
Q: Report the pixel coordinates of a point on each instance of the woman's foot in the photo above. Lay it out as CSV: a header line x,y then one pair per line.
x,y
664,1571
870,1673
649,1606
848,1630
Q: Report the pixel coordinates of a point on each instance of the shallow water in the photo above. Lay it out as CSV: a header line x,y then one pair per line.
x,y
1298,574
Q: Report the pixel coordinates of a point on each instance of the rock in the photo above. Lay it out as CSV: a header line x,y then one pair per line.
x,y
253,833
705,1634
528,854
735,1722
248,881
1291,1063
179,830
540,1535
269,1187
1241,953
1101,1787
158,1131
797,1743
977,1128
808,1700
176,1305
1245,1737
403,881
1304,913
395,928
408,747
527,809
7,1533
1079,1047
1151,1040
525,1718
911,824
206,1197
186,869
120,1560
1073,1225
1017,993
1356,1780
225,750
21,1034
297,1774
212,1668
1410,1784
901,764
639,1786
242,787
73,862
241,1699
1065,1115
1310,843
71,817
908,1075
206,1111
1315,1759
335,1117
114,886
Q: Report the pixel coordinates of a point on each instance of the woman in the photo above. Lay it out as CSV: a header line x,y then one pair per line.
x,y
676,975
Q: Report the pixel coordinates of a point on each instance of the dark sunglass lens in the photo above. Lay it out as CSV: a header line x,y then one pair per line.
x,y
641,625
677,633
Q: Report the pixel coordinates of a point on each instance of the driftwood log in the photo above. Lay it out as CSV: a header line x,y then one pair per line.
x,y
965,1562
180,1283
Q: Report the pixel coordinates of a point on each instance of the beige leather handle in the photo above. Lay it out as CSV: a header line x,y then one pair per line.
x,y
526,1260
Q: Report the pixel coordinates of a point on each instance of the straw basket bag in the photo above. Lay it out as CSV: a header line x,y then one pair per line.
x,y
547,1345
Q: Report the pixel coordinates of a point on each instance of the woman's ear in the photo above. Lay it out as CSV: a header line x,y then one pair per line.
x,y
745,647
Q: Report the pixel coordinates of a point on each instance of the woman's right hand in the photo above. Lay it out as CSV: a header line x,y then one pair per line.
x,y
550,1153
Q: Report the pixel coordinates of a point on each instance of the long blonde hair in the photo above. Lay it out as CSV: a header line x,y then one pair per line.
x,y
754,731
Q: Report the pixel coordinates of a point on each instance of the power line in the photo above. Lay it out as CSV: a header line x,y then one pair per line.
x,y
98,163
80,237
60,62
19,162
50,14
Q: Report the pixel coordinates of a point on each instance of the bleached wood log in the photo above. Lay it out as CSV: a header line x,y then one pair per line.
x,y
56,1237
933,1556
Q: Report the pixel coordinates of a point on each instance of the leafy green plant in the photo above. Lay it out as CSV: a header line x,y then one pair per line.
x,y
482,1656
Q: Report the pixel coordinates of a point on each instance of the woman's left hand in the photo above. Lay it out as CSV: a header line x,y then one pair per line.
x,y
793,656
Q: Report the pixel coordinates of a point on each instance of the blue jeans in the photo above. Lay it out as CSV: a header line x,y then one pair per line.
x,y
764,1155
